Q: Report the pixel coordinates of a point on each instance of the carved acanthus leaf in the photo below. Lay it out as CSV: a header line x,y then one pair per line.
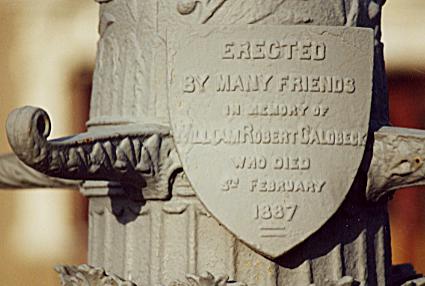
x,y
136,155
398,161
207,279
85,275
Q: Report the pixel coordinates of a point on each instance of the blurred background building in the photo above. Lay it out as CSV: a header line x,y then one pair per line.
x,y
404,39
47,52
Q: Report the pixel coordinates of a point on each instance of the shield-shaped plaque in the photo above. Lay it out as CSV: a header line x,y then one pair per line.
x,y
270,123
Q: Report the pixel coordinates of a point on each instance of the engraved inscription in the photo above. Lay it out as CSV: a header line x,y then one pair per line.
x,y
278,185
272,232
194,82
230,184
271,121
248,134
243,83
274,50
279,211
280,83
274,162
274,110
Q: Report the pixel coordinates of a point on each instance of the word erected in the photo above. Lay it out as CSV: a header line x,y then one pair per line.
x,y
274,49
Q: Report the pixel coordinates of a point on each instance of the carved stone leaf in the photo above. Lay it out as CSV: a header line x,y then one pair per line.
x,y
207,279
85,275
268,12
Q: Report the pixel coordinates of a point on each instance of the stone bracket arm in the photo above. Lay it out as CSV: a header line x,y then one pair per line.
x,y
16,175
397,162
141,156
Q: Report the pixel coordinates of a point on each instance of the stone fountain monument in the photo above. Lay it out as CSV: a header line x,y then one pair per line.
x,y
231,142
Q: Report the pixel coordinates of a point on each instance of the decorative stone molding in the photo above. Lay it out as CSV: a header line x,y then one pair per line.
x,y
85,275
185,7
207,279
397,162
207,9
134,155
14,174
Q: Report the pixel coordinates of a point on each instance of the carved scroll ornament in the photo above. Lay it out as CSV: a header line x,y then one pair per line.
x,y
135,155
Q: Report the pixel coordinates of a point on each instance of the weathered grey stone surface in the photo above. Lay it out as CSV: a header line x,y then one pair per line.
x,y
398,161
206,279
160,240
268,105
16,175
137,156
173,239
85,275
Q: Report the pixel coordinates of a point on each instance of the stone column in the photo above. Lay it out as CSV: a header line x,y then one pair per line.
x,y
156,242
146,224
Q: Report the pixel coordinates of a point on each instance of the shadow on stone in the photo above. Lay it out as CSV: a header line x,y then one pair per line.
x,y
355,230
127,202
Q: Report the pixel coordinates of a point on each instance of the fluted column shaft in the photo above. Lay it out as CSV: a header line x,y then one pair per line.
x,y
156,242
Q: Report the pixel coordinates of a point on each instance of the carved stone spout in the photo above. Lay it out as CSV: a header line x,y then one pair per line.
x,y
135,155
